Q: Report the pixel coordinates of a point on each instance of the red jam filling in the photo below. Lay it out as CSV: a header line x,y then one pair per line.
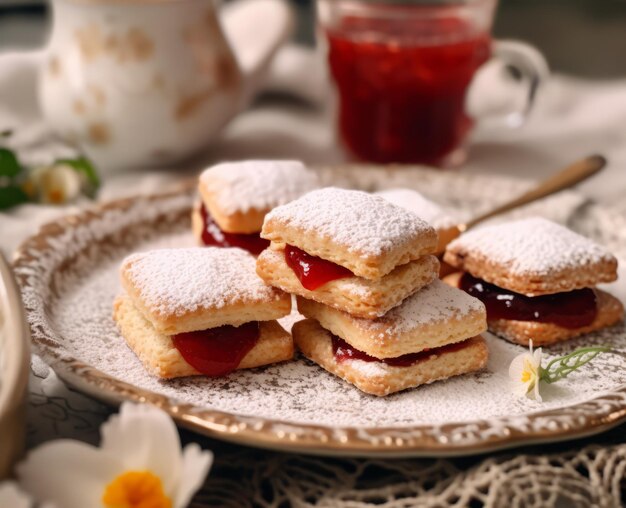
x,y
344,351
213,235
402,84
313,272
217,351
572,309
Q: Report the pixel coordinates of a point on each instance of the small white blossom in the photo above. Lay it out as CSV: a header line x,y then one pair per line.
x,y
525,373
139,463
11,495
55,184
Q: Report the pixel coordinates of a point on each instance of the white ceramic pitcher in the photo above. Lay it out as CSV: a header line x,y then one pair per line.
x,y
150,82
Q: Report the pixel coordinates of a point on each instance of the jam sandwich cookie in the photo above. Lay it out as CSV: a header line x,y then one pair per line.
x,y
200,311
236,196
537,279
364,274
348,249
432,336
443,221
435,316
382,377
356,295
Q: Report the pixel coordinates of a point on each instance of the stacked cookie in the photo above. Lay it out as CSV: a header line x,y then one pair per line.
x,y
441,219
235,196
365,276
200,311
438,217
538,280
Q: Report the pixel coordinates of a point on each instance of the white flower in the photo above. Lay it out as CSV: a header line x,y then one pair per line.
x,y
525,372
11,495
55,184
139,464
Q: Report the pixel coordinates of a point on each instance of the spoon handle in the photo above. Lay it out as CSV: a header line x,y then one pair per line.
x,y
567,177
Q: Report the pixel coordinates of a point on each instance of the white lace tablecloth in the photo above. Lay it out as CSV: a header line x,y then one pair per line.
x,y
573,119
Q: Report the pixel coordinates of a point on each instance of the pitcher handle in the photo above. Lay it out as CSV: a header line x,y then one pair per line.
x,y
255,30
530,64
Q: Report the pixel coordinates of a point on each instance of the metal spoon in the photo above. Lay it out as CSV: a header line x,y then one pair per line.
x,y
567,177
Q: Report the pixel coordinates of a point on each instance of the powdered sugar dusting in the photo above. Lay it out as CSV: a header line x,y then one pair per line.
x,y
532,246
257,184
424,208
179,281
362,222
436,303
369,369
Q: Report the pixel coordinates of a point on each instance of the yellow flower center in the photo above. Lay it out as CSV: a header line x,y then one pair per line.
x,y
528,374
136,489
56,196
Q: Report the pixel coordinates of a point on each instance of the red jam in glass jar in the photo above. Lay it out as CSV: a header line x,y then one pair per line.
x,y
402,84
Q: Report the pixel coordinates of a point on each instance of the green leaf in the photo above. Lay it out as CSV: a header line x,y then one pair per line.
x,y
85,167
8,163
563,366
11,196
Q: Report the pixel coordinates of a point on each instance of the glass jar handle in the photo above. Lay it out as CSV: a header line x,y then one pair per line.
x,y
526,62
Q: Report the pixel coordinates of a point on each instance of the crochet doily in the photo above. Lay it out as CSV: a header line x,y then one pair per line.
x,y
594,476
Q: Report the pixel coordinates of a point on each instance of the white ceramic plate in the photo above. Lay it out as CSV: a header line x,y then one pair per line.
x,y
14,368
69,277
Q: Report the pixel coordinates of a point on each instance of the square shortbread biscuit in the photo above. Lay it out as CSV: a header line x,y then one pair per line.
x,y
239,194
161,358
426,209
378,378
442,220
434,316
184,290
359,231
533,257
355,295
610,312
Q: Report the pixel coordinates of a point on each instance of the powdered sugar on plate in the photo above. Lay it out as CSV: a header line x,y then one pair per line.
x,y
361,222
257,184
532,246
424,208
173,282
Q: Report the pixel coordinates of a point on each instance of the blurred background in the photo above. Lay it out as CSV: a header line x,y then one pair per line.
x,y
585,38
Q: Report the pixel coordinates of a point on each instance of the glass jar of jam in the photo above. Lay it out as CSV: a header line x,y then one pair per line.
x,y
402,69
